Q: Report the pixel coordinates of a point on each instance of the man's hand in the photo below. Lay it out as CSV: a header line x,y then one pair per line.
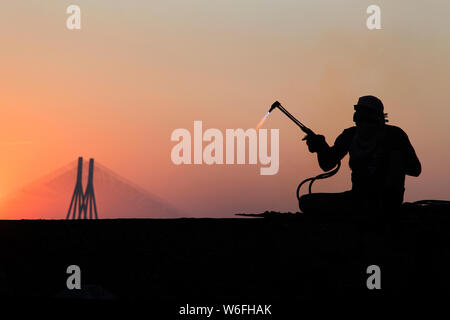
x,y
315,142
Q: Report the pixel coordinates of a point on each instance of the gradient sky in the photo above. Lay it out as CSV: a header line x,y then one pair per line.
x,y
116,89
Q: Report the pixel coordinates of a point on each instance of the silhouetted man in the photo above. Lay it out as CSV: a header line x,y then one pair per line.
x,y
380,157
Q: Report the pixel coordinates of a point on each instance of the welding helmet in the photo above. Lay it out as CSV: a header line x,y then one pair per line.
x,y
369,109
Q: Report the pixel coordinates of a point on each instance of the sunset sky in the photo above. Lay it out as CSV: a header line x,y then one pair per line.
x,y
137,70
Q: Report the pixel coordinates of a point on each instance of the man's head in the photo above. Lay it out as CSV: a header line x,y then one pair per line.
x,y
369,115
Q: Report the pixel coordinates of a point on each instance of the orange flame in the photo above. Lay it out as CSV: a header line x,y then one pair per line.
x,y
262,121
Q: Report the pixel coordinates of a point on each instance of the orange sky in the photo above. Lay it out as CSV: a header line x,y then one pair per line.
x,y
117,88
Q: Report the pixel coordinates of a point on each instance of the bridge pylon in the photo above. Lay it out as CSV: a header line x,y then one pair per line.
x,y
83,204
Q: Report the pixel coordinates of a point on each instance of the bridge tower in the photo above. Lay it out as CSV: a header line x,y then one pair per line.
x,y
89,196
77,202
83,205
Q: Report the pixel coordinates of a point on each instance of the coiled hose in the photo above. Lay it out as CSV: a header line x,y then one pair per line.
x,y
318,177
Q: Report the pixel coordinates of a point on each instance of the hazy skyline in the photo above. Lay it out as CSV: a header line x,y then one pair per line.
x,y
137,70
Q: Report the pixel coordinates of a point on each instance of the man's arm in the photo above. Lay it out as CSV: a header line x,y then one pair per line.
x,y
327,156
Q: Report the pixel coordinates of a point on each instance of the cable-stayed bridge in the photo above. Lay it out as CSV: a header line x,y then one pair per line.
x,y
115,197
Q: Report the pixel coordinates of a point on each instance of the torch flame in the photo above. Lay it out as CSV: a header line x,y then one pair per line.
x,y
262,120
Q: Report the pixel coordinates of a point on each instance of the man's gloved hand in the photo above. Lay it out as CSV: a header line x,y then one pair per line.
x,y
315,142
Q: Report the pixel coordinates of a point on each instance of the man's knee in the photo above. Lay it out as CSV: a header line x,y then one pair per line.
x,y
306,203
325,202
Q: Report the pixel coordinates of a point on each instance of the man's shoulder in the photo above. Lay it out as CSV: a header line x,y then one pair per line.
x,y
390,129
346,136
396,136
395,131
349,131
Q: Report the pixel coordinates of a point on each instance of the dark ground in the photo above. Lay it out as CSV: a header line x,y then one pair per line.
x,y
241,260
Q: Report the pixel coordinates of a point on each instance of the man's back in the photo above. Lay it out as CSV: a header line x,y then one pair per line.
x,y
379,163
